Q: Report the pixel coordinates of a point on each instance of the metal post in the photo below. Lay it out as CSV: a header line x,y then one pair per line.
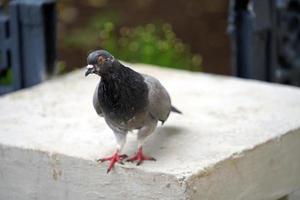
x,y
28,42
240,28
34,22
266,40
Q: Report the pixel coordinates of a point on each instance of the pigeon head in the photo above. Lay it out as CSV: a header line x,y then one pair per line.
x,y
98,62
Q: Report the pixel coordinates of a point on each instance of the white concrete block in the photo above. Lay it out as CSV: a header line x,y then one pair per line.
x,y
238,139
295,195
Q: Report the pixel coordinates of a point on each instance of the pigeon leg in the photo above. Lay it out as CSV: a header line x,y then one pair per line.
x,y
140,157
143,133
116,157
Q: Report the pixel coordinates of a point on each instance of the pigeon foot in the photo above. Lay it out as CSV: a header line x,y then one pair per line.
x,y
140,157
113,159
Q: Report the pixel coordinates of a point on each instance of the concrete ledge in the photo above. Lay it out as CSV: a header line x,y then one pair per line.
x,y
294,196
237,139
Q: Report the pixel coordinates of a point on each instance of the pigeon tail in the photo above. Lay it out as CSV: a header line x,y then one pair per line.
x,y
173,109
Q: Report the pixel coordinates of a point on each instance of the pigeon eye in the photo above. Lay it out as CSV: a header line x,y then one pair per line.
x,y
101,60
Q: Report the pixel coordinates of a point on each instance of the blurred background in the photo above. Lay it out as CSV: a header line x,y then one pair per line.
x,y
182,34
244,38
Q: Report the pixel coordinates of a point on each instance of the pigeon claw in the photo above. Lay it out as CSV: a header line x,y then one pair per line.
x,y
113,159
140,157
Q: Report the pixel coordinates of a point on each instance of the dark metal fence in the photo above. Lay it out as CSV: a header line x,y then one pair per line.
x,y
27,42
266,40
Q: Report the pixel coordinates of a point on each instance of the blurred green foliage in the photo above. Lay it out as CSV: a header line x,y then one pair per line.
x,y
6,78
151,43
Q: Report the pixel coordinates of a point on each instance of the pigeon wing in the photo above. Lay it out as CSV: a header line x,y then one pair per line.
x,y
159,99
96,103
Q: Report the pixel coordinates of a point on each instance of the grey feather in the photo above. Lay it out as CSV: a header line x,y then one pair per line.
x,y
159,99
174,109
96,103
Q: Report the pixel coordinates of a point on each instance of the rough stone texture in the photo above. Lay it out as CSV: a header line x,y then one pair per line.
x,y
238,139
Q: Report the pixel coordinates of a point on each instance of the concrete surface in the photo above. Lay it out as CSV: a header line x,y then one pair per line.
x,y
294,196
238,139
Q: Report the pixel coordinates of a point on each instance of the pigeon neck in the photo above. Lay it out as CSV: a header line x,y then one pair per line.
x,y
122,93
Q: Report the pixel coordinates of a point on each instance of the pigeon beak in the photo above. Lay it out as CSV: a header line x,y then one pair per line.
x,y
90,70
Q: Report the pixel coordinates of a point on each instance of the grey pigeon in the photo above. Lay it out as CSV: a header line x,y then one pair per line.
x,y
127,100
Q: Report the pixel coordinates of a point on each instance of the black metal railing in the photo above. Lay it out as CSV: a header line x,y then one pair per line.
x,y
27,43
266,40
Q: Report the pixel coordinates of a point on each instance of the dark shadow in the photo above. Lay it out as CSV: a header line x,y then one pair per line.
x,y
162,134
169,130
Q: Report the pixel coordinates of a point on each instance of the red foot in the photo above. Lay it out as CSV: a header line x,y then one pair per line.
x,y
140,157
113,159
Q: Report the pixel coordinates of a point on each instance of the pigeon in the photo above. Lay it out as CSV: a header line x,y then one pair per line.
x,y
127,100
